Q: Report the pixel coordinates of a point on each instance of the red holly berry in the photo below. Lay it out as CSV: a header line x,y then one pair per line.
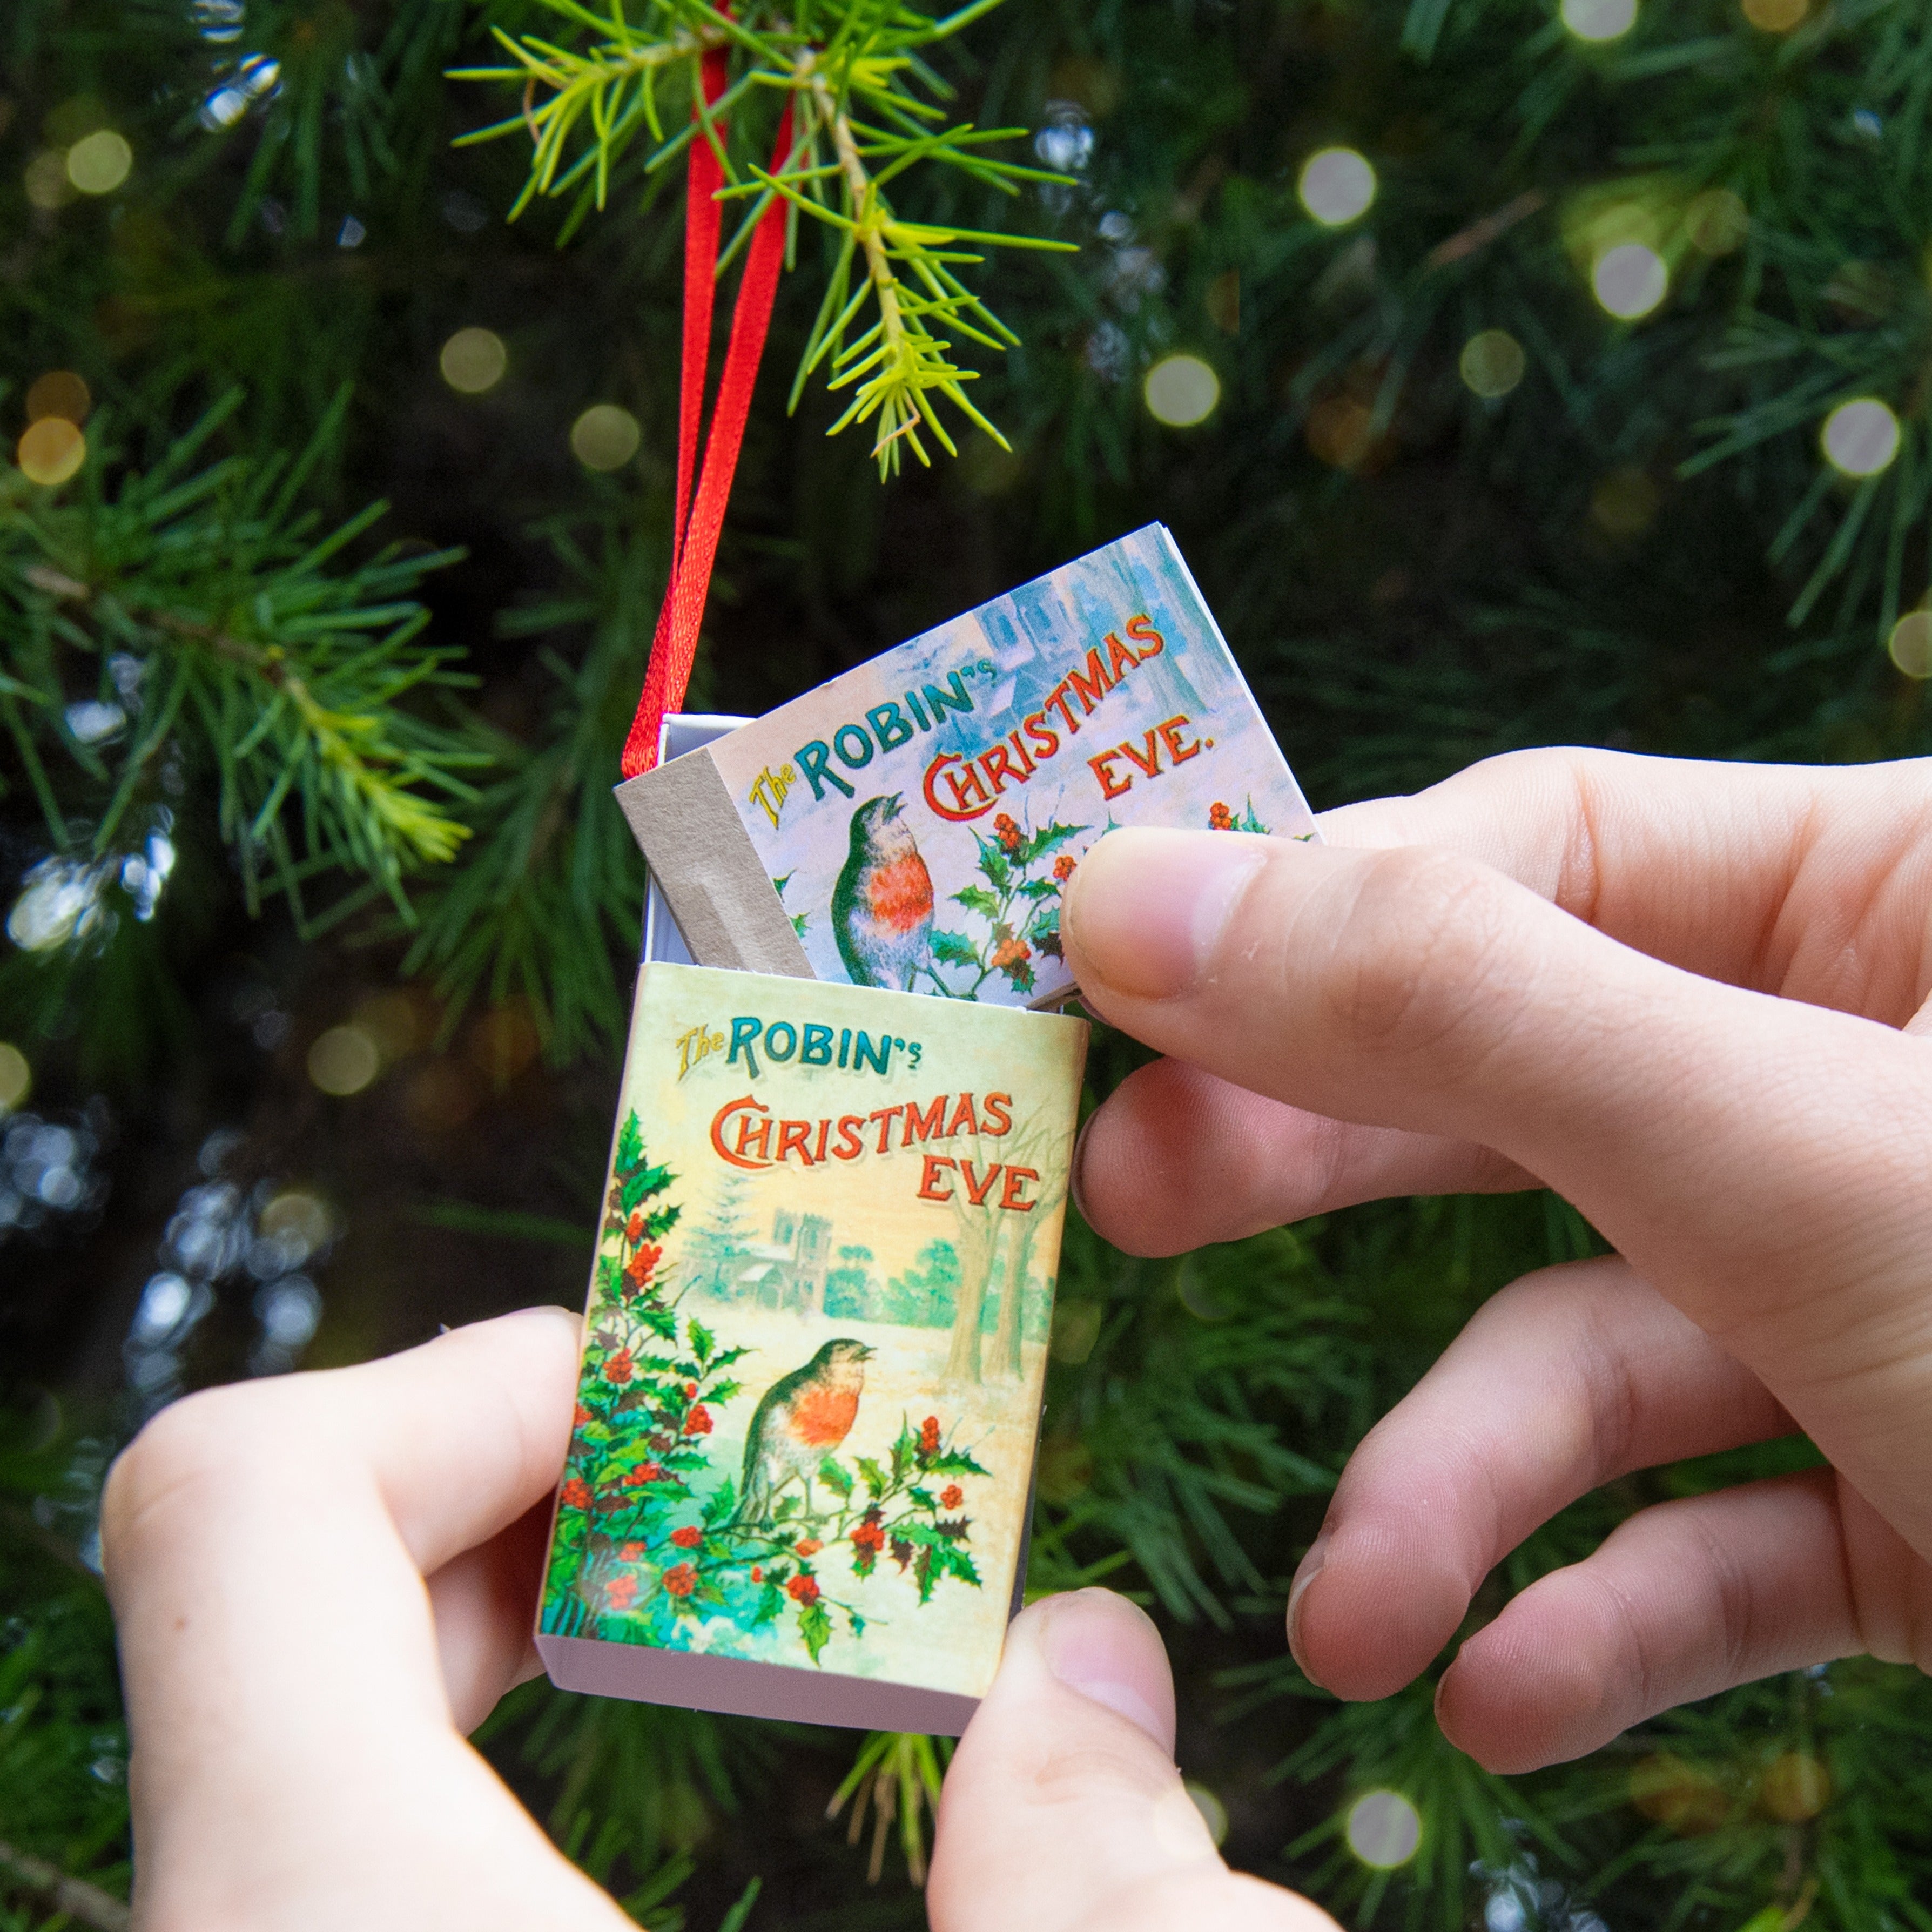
x,y
869,1535
639,1267
802,1589
952,1496
698,1422
808,1546
634,1232
929,1436
575,1494
582,1415
645,1472
758,1573
691,1388
1220,818
632,1552
1007,832
689,1537
621,1592
1062,867
680,1579
1011,951
619,1367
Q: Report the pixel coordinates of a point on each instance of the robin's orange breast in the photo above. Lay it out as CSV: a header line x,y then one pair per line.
x,y
900,894
823,1418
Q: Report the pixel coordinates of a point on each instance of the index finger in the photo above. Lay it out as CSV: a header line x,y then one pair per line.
x,y
1810,881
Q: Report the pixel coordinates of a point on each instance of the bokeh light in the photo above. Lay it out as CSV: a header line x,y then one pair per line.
x,y
344,1060
605,437
1860,437
503,1042
52,451
1599,20
298,1223
473,360
1336,185
1383,1829
1624,503
1213,1813
60,392
1181,391
1492,363
1716,222
1776,17
1911,644
1795,1787
45,180
1629,280
16,1077
99,164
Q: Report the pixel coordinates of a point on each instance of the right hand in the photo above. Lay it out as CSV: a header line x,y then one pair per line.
x,y
1692,999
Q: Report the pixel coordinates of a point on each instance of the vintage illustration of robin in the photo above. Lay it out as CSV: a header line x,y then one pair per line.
x,y
882,903
799,1421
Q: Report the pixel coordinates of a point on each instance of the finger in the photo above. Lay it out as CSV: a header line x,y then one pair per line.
x,y
1756,1159
484,1603
1561,1383
1683,1601
1063,1809
1175,1158
1810,881
262,1545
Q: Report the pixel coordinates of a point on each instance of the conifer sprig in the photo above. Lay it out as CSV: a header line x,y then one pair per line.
x,y
216,625
865,109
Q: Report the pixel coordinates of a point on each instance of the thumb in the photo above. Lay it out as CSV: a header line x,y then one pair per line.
x,y
1063,1810
1757,1159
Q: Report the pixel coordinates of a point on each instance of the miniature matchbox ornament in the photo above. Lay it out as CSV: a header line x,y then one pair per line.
x,y
910,824
798,1478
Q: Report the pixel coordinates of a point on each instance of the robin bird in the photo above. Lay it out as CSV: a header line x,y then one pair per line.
x,y
799,1421
882,905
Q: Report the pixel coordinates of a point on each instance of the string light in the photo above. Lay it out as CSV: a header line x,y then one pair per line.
x,y
52,451
473,360
99,163
1796,1788
344,1060
1181,391
1336,185
16,1077
1861,437
1383,1829
1599,20
1629,280
1492,364
1911,644
1716,222
605,437
60,392
1775,16
45,180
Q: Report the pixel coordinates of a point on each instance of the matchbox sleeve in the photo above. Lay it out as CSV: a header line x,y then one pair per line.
x,y
912,824
815,1348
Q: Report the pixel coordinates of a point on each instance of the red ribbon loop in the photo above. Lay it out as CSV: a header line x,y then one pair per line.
x,y
697,527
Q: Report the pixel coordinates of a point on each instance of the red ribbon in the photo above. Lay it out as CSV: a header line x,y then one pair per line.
x,y
697,526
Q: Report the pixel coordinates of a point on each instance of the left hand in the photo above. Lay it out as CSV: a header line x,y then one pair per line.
x,y
321,1582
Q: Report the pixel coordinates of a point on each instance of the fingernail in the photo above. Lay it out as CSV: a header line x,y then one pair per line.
x,y
1106,1649
1076,1184
1305,1573
1145,907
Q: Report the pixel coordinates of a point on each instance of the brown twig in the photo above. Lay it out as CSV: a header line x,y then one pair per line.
x,y
1479,234
74,1896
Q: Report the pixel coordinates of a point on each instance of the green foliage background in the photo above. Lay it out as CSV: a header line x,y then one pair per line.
x,y
379,747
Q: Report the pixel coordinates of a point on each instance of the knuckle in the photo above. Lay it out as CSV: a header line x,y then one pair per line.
x,y
192,1447
1413,959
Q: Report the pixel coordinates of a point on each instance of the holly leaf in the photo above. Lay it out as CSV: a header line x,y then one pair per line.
x,y
630,1143
856,1621
834,1478
719,1504
814,1625
873,1476
1020,972
994,865
976,898
955,1462
1039,889
954,949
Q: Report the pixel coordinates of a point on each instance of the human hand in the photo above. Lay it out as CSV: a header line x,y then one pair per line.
x,y
321,1582
1062,1811
1691,999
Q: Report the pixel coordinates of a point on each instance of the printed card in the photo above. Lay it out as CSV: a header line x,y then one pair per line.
x,y
814,1352
912,824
